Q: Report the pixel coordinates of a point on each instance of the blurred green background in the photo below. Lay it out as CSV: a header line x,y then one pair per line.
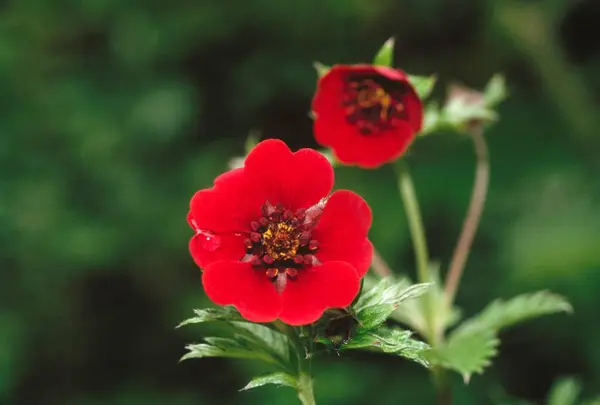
x,y
114,112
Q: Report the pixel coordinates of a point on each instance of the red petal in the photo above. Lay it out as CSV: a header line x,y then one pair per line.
x,y
296,180
331,285
192,221
414,109
342,231
219,211
206,248
249,290
391,73
349,145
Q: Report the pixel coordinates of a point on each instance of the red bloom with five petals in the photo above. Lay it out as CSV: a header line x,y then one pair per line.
x,y
368,115
272,242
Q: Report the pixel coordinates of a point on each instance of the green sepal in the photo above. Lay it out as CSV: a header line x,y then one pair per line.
x,y
385,55
321,69
495,91
565,391
423,85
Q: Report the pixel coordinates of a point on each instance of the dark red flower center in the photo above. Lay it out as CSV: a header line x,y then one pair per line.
x,y
373,103
280,243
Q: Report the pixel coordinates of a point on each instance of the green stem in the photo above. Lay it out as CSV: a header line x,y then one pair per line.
x,y
471,223
417,233
305,389
415,223
304,384
443,391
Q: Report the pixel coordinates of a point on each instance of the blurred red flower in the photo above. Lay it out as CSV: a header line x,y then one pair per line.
x,y
368,115
272,242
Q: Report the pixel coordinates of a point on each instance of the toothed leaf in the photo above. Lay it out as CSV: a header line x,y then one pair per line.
x,y
281,379
467,351
501,314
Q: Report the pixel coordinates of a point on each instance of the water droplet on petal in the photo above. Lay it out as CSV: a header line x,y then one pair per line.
x,y
209,241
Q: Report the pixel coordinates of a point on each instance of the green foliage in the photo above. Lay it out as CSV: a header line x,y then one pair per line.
x,y
467,351
389,292
495,91
459,110
251,141
222,347
280,379
385,55
368,314
247,341
226,313
464,106
321,69
413,313
500,314
564,392
378,303
423,86
470,348
392,341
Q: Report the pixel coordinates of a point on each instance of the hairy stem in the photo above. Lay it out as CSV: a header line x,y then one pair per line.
x,y
304,384
305,389
379,265
417,232
478,196
415,223
443,392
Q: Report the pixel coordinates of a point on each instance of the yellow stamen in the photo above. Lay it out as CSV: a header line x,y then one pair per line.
x,y
281,242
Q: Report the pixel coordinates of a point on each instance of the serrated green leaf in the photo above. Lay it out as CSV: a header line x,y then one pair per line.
x,y
374,316
423,84
369,297
275,343
227,313
385,55
414,312
249,341
564,392
501,314
390,340
321,69
224,348
388,291
467,351
281,379
377,304
495,91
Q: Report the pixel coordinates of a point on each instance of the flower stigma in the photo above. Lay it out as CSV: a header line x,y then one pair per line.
x,y
373,104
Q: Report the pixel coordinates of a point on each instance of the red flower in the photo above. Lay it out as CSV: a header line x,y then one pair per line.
x,y
274,244
367,114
